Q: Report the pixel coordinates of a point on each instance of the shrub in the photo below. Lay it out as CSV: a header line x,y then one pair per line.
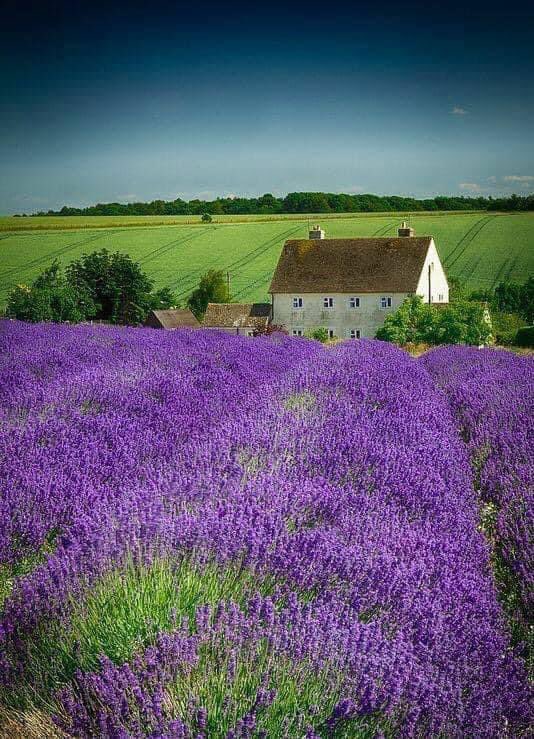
x,y
319,334
505,327
415,322
525,336
206,218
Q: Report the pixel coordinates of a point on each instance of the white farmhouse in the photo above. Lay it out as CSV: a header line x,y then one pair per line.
x,y
349,286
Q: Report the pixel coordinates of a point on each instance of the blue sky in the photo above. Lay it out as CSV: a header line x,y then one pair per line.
x,y
161,100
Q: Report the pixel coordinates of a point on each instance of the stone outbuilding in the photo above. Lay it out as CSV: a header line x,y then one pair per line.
x,y
242,319
171,319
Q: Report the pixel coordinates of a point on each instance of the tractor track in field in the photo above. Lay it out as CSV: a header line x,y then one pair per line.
x,y
382,231
260,279
243,261
466,240
511,268
49,257
499,273
160,251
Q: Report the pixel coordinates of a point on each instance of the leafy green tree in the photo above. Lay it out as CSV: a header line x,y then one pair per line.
x,y
413,322
213,288
50,298
162,299
508,297
120,289
463,322
527,301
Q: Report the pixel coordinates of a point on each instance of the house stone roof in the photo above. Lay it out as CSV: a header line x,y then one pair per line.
x,y
350,265
237,315
173,318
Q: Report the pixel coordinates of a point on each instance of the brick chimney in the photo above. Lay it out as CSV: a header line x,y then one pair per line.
x,y
316,233
405,230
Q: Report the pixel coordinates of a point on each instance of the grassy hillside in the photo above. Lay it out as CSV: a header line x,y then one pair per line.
x,y
479,248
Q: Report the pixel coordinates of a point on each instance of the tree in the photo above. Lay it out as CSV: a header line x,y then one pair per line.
x,y
118,286
412,322
50,298
464,322
206,218
213,288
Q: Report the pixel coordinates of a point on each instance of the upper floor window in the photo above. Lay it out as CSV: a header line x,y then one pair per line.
x,y
385,302
328,302
298,302
354,302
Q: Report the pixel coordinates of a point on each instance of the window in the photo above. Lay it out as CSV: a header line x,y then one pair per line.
x,y
298,332
440,298
298,302
250,333
355,333
328,302
331,333
354,302
385,302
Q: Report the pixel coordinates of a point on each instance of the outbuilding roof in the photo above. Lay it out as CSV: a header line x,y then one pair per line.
x,y
172,318
237,315
350,265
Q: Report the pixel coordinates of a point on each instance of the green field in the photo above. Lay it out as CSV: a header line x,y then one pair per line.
x,y
478,248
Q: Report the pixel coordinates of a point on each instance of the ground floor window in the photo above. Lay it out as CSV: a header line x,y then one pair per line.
x,y
440,298
355,333
298,332
331,333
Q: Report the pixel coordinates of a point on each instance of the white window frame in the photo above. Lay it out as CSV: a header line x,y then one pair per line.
x,y
328,303
386,301
354,302
357,333
297,332
331,333
298,302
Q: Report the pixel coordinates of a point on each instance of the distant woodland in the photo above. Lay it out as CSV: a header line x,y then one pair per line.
x,y
298,202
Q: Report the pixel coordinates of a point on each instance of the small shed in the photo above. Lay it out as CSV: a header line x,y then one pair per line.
x,y
171,319
237,318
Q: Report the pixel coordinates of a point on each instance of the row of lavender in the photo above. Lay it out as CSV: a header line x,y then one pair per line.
x,y
491,394
315,506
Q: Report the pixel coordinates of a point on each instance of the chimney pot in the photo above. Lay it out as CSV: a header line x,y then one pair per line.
x,y
316,233
405,230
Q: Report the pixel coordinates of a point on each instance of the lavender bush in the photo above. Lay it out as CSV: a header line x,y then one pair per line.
x,y
211,536
491,394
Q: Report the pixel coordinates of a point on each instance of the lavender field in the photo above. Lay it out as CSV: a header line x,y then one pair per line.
x,y
204,535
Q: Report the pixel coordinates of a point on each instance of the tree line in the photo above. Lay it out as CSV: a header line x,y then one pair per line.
x,y
298,202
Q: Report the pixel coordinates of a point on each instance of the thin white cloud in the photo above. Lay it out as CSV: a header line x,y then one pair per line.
x,y
470,186
457,110
519,178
